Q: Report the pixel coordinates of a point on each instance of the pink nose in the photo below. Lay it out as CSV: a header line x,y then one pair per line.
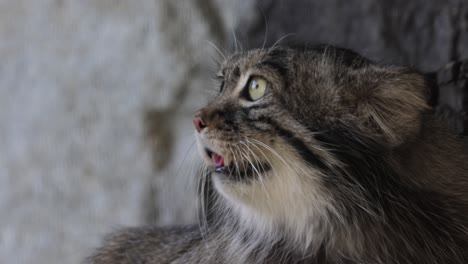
x,y
199,124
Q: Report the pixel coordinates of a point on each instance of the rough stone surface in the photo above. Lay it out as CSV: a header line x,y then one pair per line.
x,y
96,100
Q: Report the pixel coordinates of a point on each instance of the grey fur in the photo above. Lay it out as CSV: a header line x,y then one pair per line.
x,y
358,170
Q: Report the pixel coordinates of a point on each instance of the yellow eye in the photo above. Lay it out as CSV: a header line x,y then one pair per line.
x,y
257,88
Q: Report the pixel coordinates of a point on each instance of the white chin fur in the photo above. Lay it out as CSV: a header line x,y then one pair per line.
x,y
289,197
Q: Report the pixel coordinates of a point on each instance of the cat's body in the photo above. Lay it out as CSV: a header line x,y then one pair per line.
x,y
317,156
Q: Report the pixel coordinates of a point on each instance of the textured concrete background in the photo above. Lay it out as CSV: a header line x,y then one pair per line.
x,y
96,100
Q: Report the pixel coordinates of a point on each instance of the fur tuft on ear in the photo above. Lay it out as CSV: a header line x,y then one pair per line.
x,y
391,107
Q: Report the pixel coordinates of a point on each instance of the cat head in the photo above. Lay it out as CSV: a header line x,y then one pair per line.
x,y
287,122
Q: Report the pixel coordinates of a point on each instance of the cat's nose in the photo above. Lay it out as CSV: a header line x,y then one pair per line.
x,y
199,123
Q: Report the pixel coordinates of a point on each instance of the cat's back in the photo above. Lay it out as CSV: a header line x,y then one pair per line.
x,y
152,245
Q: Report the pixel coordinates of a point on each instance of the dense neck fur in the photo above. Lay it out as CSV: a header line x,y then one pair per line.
x,y
411,209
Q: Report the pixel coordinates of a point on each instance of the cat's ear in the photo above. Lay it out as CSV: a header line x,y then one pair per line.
x,y
391,107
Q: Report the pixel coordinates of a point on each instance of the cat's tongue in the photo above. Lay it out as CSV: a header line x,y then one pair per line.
x,y
218,160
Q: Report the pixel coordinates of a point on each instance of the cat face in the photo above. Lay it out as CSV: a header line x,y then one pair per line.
x,y
273,139
232,130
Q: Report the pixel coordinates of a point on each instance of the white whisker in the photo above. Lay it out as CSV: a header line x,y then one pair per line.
x,y
279,40
217,49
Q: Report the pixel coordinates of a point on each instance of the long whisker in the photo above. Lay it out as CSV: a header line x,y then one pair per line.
x,y
235,40
279,40
266,29
263,154
202,193
238,164
202,220
217,49
276,154
272,151
243,155
246,156
257,161
248,143
179,168
234,160
259,175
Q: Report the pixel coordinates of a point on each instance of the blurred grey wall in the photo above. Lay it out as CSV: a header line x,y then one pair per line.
x,y
80,84
97,97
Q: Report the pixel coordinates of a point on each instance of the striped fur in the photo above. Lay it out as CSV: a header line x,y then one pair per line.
x,y
341,161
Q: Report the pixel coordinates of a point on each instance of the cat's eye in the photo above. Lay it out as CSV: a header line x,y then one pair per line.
x,y
256,88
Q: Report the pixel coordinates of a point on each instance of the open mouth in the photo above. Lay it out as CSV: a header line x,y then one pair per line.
x,y
240,169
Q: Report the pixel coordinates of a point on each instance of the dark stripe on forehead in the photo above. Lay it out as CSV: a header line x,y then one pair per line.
x,y
278,66
306,154
277,59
